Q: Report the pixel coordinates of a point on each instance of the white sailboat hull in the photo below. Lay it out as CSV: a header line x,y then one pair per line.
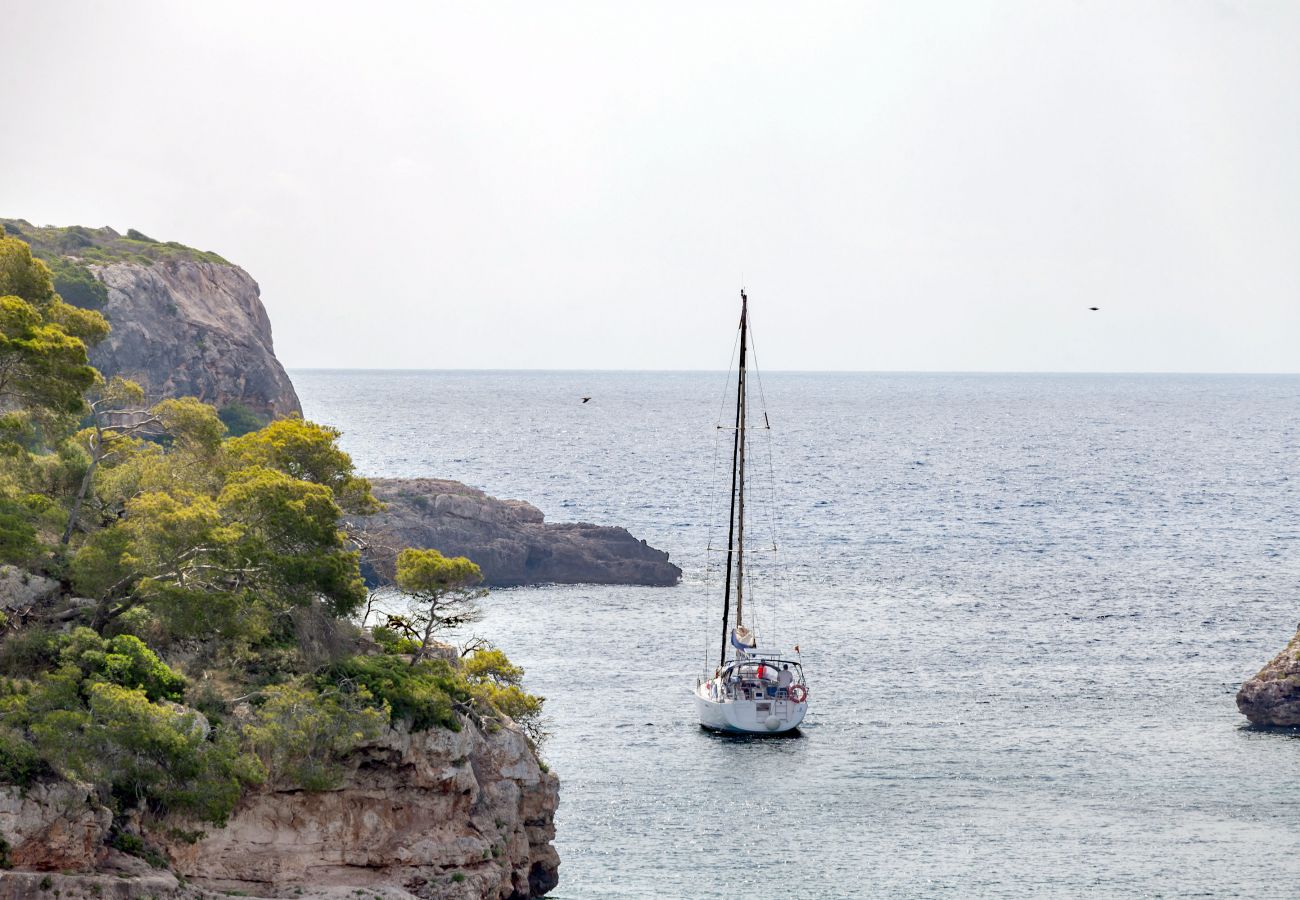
x,y
763,716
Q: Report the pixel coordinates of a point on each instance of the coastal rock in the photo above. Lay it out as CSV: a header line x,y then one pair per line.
x,y
185,328
20,589
509,539
186,322
53,826
1272,697
438,813
432,814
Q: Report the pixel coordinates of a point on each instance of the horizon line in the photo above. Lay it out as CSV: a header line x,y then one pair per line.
x,y
553,371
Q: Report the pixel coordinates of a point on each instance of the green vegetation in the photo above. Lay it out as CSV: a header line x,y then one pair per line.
x,y
443,591
239,419
214,645
424,694
100,246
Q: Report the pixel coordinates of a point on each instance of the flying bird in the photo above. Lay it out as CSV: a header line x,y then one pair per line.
x,y
585,399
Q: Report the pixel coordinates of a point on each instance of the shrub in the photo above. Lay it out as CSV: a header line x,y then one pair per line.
x,y
122,660
29,651
422,695
392,641
523,708
240,419
20,764
159,755
496,684
300,734
135,845
77,284
18,541
491,664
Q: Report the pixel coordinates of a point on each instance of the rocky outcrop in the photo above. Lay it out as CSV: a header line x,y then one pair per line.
x,y
434,814
20,589
1272,697
438,813
509,539
187,328
54,825
186,323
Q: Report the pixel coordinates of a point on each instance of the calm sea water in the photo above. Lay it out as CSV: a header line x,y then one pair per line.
x,y
1024,603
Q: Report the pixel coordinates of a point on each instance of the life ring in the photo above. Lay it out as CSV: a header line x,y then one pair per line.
x,y
798,693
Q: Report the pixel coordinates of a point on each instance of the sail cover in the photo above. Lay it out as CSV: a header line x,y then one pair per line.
x,y
742,638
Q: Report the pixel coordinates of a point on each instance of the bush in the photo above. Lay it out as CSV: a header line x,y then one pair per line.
x,y
29,651
135,845
20,764
422,695
18,541
158,755
240,419
122,660
300,734
496,683
77,284
392,641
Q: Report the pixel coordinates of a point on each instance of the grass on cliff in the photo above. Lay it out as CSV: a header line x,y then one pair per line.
x,y
70,250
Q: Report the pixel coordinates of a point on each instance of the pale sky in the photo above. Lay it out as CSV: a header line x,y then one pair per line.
x,y
903,186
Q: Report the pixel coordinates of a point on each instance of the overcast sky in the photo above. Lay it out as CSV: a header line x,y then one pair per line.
x,y
902,186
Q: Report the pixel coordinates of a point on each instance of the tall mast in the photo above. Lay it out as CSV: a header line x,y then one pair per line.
x,y
737,499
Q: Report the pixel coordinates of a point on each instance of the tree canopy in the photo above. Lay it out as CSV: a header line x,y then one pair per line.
x,y
213,641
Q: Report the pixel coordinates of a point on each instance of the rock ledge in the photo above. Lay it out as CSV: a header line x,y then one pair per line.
x,y
507,538
1272,697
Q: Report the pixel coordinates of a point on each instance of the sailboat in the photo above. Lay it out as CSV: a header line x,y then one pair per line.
x,y
751,691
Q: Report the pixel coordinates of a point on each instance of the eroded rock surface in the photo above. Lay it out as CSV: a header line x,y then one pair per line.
x,y
434,814
439,813
1272,697
20,589
54,825
188,328
507,538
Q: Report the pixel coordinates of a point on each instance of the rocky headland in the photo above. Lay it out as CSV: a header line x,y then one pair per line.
x,y
461,810
429,813
186,323
509,539
1272,696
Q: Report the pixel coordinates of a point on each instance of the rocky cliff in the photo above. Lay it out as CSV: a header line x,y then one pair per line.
x,y
185,322
507,538
435,814
1272,697
193,329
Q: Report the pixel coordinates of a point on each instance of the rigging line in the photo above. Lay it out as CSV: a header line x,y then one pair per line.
x,y
715,490
780,575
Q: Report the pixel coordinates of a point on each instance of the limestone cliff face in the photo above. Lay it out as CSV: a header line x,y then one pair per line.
x,y
507,538
192,328
186,322
1272,697
435,814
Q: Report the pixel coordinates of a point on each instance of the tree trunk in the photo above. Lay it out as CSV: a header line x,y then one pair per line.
x,y
86,481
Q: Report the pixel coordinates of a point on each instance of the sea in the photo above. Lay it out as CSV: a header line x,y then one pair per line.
x,y
1024,604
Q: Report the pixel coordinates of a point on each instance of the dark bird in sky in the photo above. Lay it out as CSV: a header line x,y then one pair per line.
x,y
1094,308
585,399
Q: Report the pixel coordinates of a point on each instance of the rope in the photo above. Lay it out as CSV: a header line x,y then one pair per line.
x,y
779,577
713,499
